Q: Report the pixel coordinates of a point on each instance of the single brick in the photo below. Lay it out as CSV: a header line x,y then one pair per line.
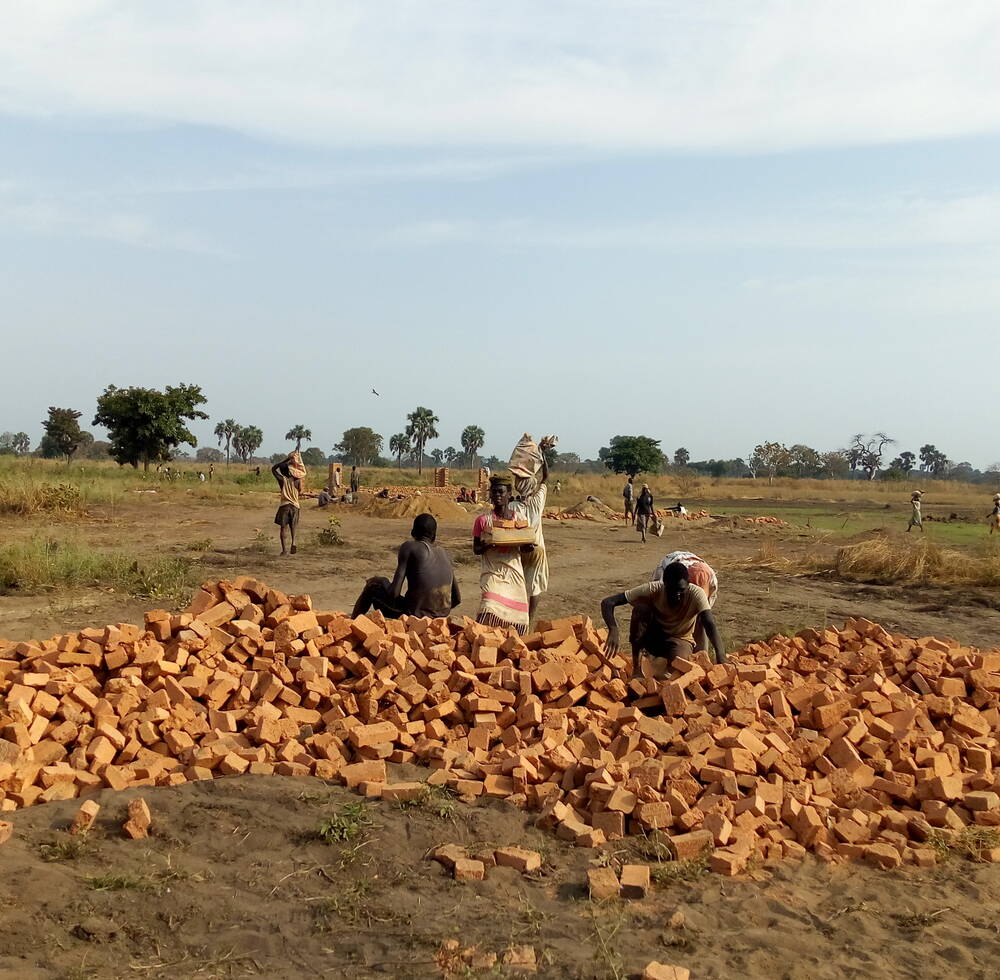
x,y
518,858
635,881
467,869
603,883
85,817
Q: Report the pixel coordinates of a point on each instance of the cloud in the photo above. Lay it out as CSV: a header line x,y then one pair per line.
x,y
861,224
46,213
691,75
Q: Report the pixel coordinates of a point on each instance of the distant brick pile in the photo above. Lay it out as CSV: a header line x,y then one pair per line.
x,y
852,743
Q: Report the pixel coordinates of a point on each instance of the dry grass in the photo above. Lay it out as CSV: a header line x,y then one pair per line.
x,y
886,562
24,498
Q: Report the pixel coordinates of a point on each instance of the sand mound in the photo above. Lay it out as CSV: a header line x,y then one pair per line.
x,y
593,510
440,507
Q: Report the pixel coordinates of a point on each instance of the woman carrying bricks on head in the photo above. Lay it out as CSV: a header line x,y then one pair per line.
x,y
501,578
665,615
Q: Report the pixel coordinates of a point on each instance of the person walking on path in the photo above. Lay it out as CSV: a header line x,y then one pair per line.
x,y
290,474
915,519
504,600
645,511
628,496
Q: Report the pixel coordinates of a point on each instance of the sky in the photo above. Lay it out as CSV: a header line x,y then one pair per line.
x,y
715,223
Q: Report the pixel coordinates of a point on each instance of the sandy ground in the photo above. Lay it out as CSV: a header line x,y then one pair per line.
x,y
234,883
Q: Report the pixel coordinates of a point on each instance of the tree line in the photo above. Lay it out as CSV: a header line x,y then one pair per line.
x,y
865,457
148,427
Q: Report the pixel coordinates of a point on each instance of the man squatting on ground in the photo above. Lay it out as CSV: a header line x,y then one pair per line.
x,y
504,600
289,473
431,589
665,615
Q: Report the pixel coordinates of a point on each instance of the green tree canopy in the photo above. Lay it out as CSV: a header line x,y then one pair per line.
x,y
420,430
934,460
473,438
633,455
298,433
144,425
247,441
360,445
224,432
63,435
314,456
14,443
399,446
681,457
209,454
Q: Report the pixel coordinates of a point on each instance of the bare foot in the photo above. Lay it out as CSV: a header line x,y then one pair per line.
x,y
294,549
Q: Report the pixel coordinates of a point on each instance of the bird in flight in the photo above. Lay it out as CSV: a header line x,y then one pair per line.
x,y
374,392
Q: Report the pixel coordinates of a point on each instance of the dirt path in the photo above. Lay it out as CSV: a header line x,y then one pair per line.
x,y
588,561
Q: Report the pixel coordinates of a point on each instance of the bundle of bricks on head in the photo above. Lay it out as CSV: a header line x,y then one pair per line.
x,y
854,744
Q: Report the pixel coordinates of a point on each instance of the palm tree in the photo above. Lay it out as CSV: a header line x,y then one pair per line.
x,y
399,445
450,455
421,428
298,433
438,456
473,438
224,432
247,441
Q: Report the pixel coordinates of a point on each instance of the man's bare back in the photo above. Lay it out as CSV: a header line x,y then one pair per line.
x,y
431,589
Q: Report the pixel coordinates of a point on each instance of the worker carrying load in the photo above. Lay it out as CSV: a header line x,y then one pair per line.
x,y
531,474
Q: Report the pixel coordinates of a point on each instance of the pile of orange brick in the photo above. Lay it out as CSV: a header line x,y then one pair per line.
x,y
852,743
774,521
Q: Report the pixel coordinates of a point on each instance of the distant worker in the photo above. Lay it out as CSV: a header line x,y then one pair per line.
x,y
628,496
201,476
531,493
665,615
995,514
426,569
680,510
558,486
355,483
700,573
211,471
504,601
324,497
289,473
915,519
645,511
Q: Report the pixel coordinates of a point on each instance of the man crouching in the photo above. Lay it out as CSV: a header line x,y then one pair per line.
x,y
664,618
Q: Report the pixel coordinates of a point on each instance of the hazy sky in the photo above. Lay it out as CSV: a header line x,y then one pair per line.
x,y
716,223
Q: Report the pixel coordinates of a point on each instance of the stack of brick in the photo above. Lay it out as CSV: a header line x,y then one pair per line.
x,y
691,515
852,743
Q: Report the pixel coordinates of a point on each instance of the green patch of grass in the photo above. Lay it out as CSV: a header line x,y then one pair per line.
x,y
65,849
331,534
43,563
673,872
350,903
347,824
438,800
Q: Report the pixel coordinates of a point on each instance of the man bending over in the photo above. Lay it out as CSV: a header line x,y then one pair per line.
x,y
664,617
425,567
